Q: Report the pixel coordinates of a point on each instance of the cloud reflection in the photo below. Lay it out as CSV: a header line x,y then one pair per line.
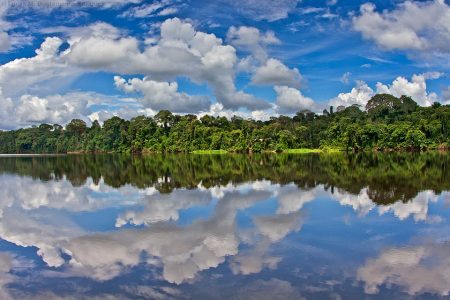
x,y
146,230
417,269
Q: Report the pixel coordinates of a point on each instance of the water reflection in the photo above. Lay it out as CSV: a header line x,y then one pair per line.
x,y
166,226
417,269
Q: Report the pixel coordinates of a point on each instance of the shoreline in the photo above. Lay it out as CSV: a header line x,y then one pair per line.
x,y
223,152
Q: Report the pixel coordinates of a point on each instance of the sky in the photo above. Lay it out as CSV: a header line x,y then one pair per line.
x,y
93,59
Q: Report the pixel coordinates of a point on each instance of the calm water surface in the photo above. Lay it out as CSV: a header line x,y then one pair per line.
x,y
363,226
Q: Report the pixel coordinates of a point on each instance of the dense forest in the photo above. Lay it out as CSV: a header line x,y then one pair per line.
x,y
386,123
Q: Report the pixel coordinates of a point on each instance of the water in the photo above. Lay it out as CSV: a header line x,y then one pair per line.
x,y
367,226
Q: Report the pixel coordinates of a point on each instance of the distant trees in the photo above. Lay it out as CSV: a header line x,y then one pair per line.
x,y
386,123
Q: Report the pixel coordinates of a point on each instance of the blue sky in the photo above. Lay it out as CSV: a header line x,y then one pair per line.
x,y
63,59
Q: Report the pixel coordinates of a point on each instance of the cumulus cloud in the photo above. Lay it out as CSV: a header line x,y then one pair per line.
x,y
412,25
218,110
97,52
28,84
163,95
416,269
290,100
359,95
416,88
23,74
61,108
181,51
252,40
274,72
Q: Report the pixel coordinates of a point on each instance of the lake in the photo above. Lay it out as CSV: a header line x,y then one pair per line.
x,y
274,226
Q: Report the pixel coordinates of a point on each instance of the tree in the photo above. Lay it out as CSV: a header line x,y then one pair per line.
x,y
76,126
164,118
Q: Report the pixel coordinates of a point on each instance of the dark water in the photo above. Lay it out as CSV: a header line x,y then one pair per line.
x,y
332,226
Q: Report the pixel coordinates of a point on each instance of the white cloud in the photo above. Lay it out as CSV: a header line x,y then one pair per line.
x,y
290,100
274,72
8,39
156,8
416,88
96,52
97,29
345,78
251,39
23,74
163,95
145,10
181,51
59,108
28,85
417,269
360,95
218,110
412,25
168,11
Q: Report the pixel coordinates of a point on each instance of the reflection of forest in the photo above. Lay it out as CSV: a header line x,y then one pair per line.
x,y
388,176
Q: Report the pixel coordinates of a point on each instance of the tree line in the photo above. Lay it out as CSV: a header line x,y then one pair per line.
x,y
386,123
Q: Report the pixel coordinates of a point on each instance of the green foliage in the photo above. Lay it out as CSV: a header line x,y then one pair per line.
x,y
209,152
302,151
389,123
